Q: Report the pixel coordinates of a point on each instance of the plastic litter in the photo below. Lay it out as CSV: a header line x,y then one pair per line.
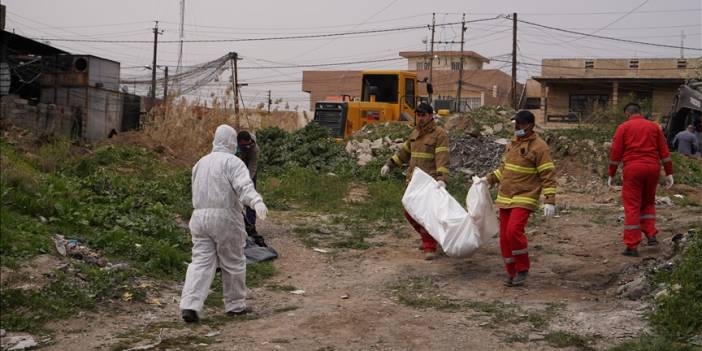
x,y
255,253
459,232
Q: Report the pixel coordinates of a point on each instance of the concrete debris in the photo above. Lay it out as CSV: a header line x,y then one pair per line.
x,y
367,150
502,141
679,196
664,200
18,342
634,289
536,337
298,292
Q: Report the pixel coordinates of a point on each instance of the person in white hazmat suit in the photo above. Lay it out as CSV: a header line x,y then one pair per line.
x,y
221,187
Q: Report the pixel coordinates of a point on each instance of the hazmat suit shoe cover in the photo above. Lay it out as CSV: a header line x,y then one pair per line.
x,y
221,186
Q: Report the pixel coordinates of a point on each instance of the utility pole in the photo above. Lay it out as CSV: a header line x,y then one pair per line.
x,y
460,72
514,61
165,84
431,53
181,31
269,101
153,65
682,44
235,79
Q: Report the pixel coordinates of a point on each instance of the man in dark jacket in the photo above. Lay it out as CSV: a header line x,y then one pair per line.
x,y
248,152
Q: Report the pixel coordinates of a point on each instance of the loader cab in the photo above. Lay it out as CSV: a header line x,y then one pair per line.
x,y
385,96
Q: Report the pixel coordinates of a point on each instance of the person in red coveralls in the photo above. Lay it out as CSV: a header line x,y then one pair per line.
x,y
641,146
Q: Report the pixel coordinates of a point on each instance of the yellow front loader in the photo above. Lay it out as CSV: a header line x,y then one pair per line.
x,y
389,95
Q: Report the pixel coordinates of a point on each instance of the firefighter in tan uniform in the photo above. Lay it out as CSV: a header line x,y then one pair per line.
x,y
526,172
427,149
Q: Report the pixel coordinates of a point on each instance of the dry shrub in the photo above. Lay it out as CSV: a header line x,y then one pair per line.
x,y
183,129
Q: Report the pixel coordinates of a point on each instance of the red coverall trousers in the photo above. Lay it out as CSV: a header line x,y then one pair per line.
x,y
428,242
639,197
513,242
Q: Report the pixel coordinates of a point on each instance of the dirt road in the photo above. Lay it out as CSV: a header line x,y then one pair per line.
x,y
388,298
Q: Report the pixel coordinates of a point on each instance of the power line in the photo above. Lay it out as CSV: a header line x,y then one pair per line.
x,y
613,22
607,38
325,64
291,37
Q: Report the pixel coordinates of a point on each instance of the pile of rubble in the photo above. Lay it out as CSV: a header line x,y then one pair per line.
x,y
475,156
469,155
366,150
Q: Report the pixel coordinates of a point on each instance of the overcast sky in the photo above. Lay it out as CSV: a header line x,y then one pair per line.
x,y
655,21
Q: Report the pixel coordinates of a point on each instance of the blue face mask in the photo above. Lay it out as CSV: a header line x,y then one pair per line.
x,y
520,133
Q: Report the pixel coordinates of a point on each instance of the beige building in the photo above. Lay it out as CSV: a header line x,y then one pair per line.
x,y
481,87
570,90
443,60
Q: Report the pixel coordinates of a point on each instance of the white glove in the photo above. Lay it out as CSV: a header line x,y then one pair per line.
x,y
261,210
610,182
384,171
669,181
549,210
441,184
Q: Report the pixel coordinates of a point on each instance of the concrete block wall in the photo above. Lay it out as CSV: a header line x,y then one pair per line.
x,y
39,118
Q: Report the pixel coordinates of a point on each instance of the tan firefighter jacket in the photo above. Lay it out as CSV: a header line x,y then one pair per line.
x,y
526,171
426,148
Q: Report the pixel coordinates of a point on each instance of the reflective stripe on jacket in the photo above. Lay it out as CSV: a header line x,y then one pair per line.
x,y
526,172
426,148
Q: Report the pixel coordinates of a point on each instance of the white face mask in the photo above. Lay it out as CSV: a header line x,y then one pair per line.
x,y
520,133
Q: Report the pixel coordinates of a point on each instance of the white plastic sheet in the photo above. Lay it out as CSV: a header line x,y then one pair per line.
x,y
459,232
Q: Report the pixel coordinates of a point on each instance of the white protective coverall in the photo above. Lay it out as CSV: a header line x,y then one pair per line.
x,y
221,185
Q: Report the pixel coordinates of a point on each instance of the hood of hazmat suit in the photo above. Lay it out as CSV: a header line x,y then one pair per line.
x,y
220,186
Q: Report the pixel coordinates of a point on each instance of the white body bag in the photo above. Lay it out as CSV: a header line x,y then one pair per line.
x,y
459,232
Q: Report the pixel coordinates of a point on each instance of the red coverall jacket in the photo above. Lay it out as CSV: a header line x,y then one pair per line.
x,y
639,141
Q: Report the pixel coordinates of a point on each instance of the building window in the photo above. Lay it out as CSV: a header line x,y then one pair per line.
x,y
587,103
589,64
682,63
427,65
455,66
532,103
634,64
472,102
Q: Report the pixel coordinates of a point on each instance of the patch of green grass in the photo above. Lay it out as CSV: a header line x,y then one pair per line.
x,y
653,343
256,274
676,316
281,287
523,338
64,296
420,292
686,170
285,309
563,339
306,188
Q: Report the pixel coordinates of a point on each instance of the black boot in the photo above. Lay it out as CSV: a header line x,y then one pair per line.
x,y
651,240
520,279
189,316
258,240
630,252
